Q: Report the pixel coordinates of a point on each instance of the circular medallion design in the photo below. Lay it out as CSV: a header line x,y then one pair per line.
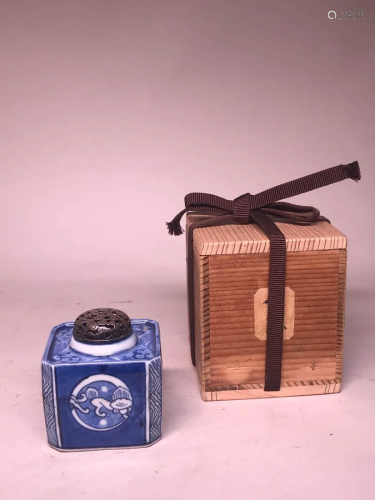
x,y
101,402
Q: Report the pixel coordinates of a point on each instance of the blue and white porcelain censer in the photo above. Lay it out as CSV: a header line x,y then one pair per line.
x,y
102,382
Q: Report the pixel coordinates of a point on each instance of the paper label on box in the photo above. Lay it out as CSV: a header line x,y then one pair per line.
x,y
261,311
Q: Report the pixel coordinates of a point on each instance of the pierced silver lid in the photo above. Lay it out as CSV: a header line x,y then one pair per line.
x,y
102,326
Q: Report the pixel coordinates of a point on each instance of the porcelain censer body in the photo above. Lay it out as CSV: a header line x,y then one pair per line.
x,y
102,382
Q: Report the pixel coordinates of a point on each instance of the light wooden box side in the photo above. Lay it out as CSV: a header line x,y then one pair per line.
x,y
231,264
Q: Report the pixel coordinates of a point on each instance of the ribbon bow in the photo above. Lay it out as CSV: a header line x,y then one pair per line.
x,y
261,208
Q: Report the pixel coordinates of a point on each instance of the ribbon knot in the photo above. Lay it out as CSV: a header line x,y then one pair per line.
x,y
262,208
241,209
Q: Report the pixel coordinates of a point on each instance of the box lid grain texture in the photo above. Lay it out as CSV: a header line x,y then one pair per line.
x,y
231,267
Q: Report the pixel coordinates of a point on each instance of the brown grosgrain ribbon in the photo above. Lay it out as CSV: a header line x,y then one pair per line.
x,y
261,208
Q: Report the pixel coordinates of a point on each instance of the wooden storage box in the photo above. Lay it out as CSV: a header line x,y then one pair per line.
x,y
231,267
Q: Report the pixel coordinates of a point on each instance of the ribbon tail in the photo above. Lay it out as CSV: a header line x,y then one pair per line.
x,y
306,184
353,171
174,227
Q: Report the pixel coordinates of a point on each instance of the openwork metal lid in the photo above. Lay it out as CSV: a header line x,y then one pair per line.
x,y
102,326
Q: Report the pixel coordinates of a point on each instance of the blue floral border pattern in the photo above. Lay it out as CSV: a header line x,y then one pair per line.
x,y
155,398
48,403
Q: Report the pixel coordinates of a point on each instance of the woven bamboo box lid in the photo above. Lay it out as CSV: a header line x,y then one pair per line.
x,y
245,239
